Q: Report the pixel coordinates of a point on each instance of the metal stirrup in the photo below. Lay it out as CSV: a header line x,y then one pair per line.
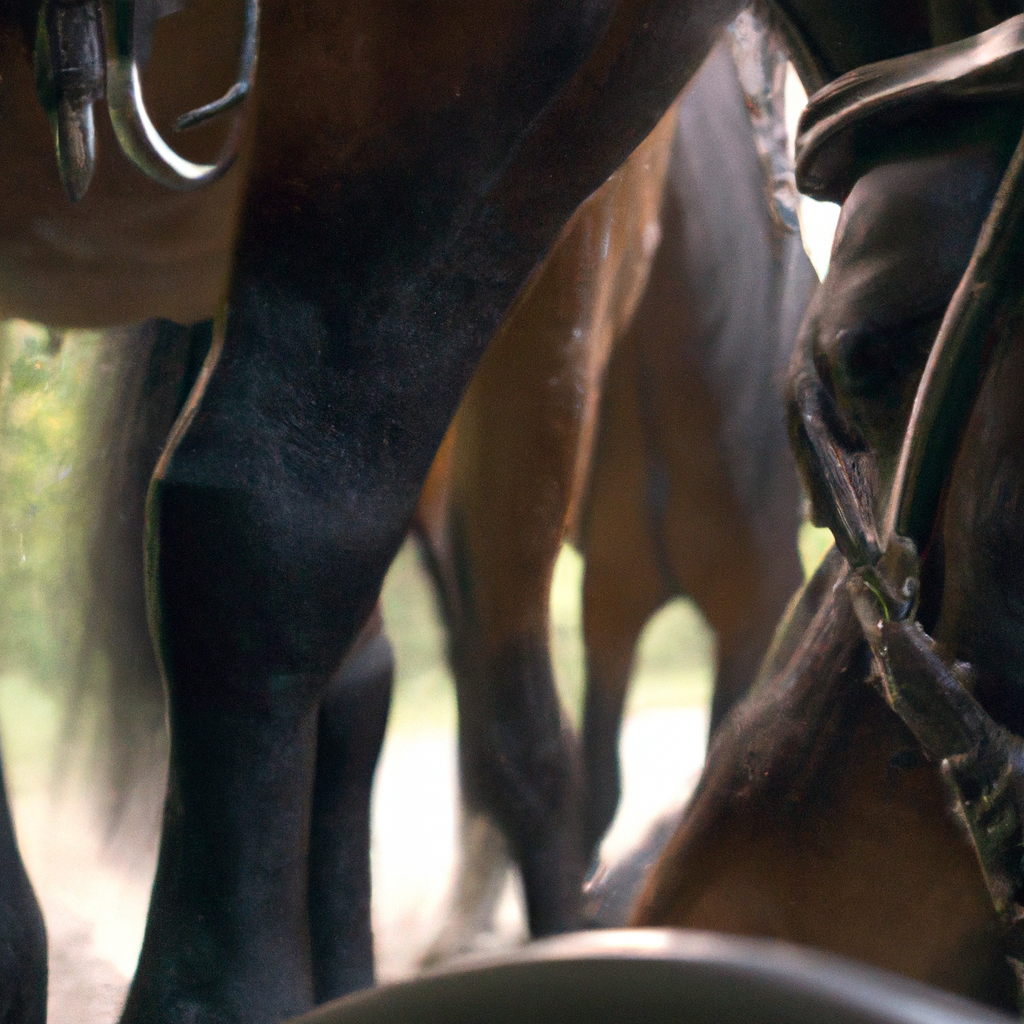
x,y
138,137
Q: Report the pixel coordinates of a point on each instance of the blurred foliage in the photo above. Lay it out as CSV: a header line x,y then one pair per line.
x,y
814,543
41,391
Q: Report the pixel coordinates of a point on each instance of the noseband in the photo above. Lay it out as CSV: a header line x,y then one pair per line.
x,y
86,49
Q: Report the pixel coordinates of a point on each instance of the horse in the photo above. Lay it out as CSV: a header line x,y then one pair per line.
x,y
522,432
515,477
394,184
505,487
368,240
823,816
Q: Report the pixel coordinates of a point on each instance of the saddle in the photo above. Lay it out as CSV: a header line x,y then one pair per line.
x,y
847,119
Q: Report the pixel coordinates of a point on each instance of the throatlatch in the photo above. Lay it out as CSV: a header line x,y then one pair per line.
x,y
88,49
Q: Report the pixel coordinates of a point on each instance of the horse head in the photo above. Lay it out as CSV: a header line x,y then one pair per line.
x,y
814,763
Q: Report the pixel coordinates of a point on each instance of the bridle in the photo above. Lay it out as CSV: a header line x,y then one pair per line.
x,y
838,122
982,762
85,50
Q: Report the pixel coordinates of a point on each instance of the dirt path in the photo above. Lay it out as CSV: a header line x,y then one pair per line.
x,y
95,911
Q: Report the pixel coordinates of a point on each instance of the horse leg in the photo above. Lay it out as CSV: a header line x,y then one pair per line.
x,y
368,279
350,733
253,620
23,965
622,586
483,854
519,454
274,518
483,867
515,448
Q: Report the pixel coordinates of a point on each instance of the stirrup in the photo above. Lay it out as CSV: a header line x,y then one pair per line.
x,y
85,49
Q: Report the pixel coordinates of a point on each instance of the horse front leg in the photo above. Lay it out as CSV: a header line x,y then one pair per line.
x,y
263,567
350,734
23,965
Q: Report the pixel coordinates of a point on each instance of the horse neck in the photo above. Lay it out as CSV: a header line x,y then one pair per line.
x,y
817,821
980,621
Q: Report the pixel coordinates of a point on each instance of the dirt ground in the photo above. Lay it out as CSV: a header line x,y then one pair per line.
x,y
95,910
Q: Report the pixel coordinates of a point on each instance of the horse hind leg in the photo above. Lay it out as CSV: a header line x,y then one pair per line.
x,y
23,963
350,733
517,764
622,587
491,543
481,875
517,756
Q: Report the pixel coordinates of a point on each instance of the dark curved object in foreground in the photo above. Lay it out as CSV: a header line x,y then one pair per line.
x,y
657,976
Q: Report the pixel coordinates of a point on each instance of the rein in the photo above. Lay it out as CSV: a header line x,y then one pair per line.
x,y
88,49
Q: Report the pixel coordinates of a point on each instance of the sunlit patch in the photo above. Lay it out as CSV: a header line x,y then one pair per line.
x,y
817,220
813,543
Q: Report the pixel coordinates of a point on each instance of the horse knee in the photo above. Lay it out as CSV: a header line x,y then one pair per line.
x,y
254,599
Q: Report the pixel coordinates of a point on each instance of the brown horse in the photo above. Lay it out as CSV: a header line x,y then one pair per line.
x,y
491,515
821,817
692,488
506,485
494,513
404,173
516,466
406,178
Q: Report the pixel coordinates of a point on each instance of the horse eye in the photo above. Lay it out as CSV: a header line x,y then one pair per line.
x,y
860,359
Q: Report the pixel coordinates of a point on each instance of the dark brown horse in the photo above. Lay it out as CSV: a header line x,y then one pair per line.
x,y
822,816
705,358
403,176
697,494
692,488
